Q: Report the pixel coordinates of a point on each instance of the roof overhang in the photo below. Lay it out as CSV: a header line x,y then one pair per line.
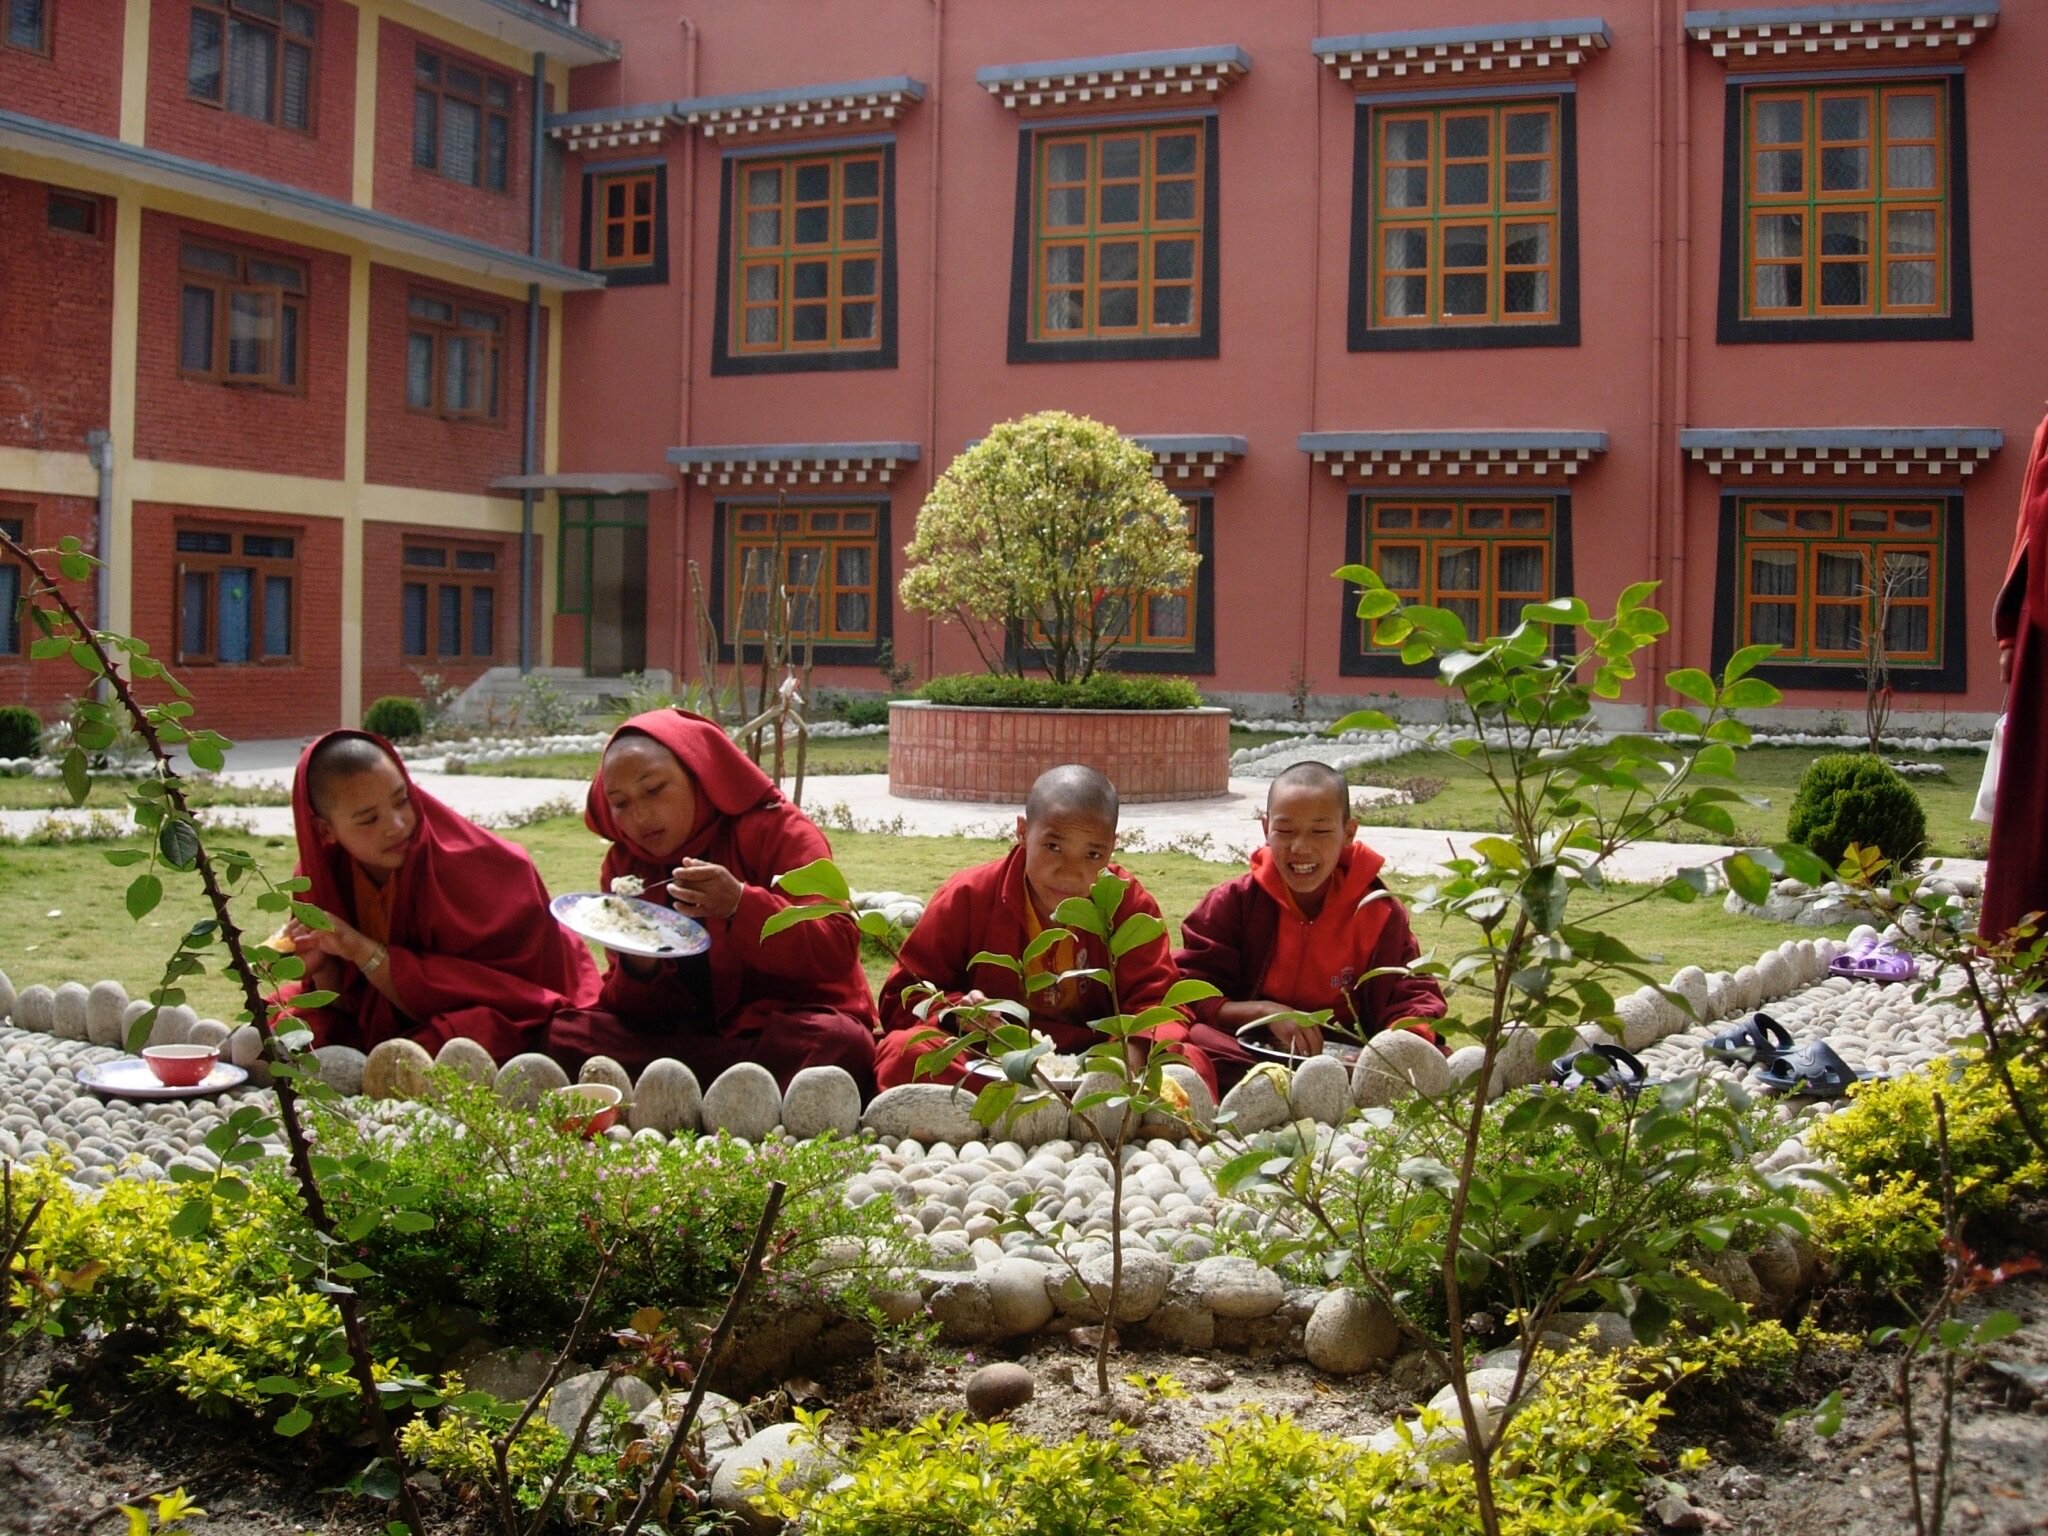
x,y
1165,76
1187,458
1748,452
230,189
846,104
1526,47
794,465
1806,33
531,26
1531,455
587,482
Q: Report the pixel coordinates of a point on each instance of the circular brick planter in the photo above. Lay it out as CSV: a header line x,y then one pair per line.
x,y
958,752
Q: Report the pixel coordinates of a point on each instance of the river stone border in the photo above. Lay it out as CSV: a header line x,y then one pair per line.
x,y
955,1187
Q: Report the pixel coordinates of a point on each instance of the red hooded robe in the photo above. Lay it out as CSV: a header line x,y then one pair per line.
x,y
2016,881
473,949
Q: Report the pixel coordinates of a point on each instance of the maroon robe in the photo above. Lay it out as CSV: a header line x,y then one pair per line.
x,y
2016,881
473,950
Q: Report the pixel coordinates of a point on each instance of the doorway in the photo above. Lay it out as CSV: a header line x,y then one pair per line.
x,y
603,580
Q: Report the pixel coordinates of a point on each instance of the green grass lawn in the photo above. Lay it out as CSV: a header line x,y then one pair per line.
x,y
1467,802
112,794
91,936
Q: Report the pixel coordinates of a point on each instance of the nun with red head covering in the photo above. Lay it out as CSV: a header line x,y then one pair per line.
x,y
440,928
706,831
2016,879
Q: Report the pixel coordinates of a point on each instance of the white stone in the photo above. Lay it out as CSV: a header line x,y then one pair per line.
x,y
68,1007
1490,1389
1201,1108
1774,976
787,1452
210,1032
36,1009
245,1046
927,1112
959,1302
1104,1119
1321,1091
1259,1101
1141,1288
1232,1286
1348,1333
821,1100
6,998
666,1098
1398,1062
573,1396
469,1059
173,1025
397,1069
744,1101
1017,1295
104,1005
1691,984
340,1067
607,1073
526,1077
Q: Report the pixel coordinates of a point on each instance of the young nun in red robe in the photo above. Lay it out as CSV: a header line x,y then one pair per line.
x,y
688,814
440,927
2016,880
1064,840
1298,931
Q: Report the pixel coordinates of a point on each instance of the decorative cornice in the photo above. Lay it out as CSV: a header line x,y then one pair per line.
x,y
1185,458
1549,47
613,127
1779,451
1162,77
1453,455
1815,32
790,465
845,104
531,26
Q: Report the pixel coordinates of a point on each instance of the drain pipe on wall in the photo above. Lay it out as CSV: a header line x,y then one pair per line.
x,y
529,434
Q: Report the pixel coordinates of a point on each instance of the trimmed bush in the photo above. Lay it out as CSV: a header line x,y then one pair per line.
x,y
1105,690
862,711
396,718
21,732
1852,797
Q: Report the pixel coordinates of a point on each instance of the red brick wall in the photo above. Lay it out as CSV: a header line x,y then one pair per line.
x,y
56,292
937,752
408,447
79,81
406,190
319,159
48,686
251,702
196,421
385,667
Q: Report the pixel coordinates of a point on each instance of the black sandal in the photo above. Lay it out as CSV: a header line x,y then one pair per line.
x,y
1762,1038
1602,1068
1813,1071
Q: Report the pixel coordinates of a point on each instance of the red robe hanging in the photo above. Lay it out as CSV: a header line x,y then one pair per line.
x,y
473,949
797,999
2016,882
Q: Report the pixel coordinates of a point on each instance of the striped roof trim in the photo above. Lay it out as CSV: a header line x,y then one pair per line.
x,y
1117,79
1550,46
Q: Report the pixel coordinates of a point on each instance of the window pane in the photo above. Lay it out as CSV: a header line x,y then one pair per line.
x,y
277,274
809,279
1905,629
419,371
1173,306
288,345
194,630
202,60
266,546
458,140
1432,517
1467,136
1906,572
1774,624
857,278
1844,170
24,30
1845,283
1404,297
1173,201
415,619
807,322
1465,293
1526,245
252,332
764,186
431,556
1466,186
1120,203
1457,570
862,221
195,330
850,613
1910,231
1528,181
1909,116
277,616
764,327
1780,122
10,602
1528,133
1063,312
1465,245
193,542
1467,610
1838,573
1067,162
497,135
476,560
1400,568
764,283
851,565
425,130
458,375
1407,187
1174,154
1406,139
1838,627
236,588
1167,616
1909,283
1845,234
1780,287
1773,572
861,178
857,321
483,622
813,182
813,225
764,229
252,67
297,109
1118,261
450,627
1781,170
1122,157
1116,307
1844,118
1520,568
1910,167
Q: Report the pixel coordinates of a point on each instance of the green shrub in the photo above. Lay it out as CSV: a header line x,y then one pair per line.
x,y
862,711
1852,797
21,731
396,718
1105,690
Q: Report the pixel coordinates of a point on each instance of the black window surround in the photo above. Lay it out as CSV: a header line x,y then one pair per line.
x,y
1956,325
655,271
1357,656
885,581
724,361
1207,339
1361,334
1951,676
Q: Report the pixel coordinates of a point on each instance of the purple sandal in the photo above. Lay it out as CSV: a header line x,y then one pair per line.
x,y
1873,960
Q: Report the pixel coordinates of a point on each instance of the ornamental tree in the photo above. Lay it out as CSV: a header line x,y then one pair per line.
x,y
1043,540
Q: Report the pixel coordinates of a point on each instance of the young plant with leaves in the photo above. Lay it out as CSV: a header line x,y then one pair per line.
x,y
1487,1192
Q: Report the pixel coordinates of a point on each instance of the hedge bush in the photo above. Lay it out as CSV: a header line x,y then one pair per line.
x,y
1105,690
396,718
21,732
1852,797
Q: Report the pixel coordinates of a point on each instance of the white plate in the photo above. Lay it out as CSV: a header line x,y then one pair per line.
x,y
686,936
129,1077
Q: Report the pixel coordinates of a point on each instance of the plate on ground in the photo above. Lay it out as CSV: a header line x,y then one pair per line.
x,y
1259,1041
630,925
993,1071
129,1077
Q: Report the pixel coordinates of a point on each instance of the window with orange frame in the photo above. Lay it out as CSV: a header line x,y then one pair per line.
x,y
1819,577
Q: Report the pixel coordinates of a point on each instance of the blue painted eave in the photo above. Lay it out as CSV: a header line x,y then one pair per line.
x,y
1807,15
765,453
1433,37
1190,442
1832,438
1163,58
1451,442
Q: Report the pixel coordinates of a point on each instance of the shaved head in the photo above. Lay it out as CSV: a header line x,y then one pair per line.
x,y
341,758
1072,790
1320,778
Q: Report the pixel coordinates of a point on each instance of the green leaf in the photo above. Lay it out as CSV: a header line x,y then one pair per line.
x,y
1543,896
1500,853
1561,610
1188,990
1364,720
1427,1173
77,782
1997,1326
787,917
1691,683
144,892
192,1218
1078,912
74,566
1802,863
409,1221
278,1386
48,647
178,841
204,750
123,858
1747,878
295,1423
1680,722
1137,930
1750,693
1745,661
820,877
1002,962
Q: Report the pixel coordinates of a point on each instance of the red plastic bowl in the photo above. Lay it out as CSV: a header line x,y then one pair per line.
x,y
180,1066
584,1109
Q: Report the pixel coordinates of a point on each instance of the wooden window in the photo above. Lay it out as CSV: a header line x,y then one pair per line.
x,y
824,558
241,316
461,121
452,357
1117,234
1816,576
255,58
73,213
1465,219
449,603
807,254
1845,201
1485,561
623,211
235,595
13,523
28,25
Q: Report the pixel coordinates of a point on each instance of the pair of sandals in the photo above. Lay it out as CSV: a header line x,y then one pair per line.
x,y
1810,1071
1871,959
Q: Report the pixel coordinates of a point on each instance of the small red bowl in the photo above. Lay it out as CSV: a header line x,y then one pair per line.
x,y
584,1109
180,1066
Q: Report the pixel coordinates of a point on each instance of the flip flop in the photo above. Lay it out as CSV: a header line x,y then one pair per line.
x,y
1602,1068
1874,962
1813,1071
1759,1040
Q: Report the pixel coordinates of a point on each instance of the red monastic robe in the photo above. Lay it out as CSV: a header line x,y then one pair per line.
x,y
2016,882
473,949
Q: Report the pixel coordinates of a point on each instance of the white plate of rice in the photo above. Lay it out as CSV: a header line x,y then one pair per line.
x,y
630,925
